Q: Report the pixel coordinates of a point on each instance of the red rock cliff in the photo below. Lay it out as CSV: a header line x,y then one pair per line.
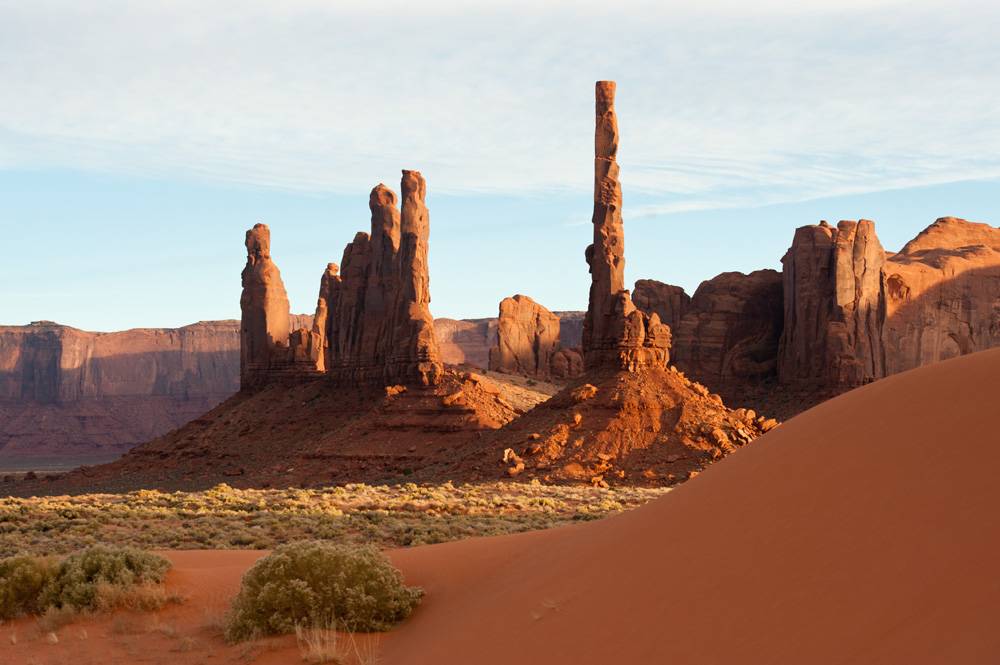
x,y
63,390
942,295
834,306
729,334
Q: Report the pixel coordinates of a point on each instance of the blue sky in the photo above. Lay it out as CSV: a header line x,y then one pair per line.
x,y
138,141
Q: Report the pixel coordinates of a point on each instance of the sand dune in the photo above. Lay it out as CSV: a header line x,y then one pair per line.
x,y
865,530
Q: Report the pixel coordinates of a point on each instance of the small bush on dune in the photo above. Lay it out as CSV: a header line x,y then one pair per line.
x,y
93,578
22,579
82,574
315,584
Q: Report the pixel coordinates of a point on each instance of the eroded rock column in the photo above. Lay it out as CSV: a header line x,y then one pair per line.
x,y
615,332
264,306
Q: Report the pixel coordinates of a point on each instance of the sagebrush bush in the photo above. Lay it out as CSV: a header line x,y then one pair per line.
x,y
22,579
316,583
82,574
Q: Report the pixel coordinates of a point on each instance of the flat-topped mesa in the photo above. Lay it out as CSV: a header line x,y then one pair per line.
x,y
834,306
528,342
615,333
376,325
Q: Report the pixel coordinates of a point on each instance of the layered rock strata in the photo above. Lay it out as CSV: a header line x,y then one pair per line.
x,y
528,342
466,341
615,332
372,324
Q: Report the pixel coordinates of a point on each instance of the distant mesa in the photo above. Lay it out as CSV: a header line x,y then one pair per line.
x,y
65,391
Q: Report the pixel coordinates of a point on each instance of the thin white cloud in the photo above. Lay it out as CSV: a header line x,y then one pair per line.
x,y
736,103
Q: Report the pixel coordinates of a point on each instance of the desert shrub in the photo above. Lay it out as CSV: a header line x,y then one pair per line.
x,y
82,574
315,584
22,579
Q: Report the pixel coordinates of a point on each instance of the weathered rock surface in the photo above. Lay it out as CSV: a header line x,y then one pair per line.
x,y
466,341
66,391
615,332
372,324
528,342
667,301
942,295
730,332
378,326
264,326
834,306
571,328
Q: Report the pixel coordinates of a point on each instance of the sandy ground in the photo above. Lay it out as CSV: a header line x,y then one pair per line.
x,y
866,530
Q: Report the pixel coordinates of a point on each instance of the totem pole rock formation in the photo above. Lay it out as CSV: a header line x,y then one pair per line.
x,y
834,306
615,332
374,317
528,342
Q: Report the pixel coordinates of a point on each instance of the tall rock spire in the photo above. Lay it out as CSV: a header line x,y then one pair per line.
x,y
615,333
264,305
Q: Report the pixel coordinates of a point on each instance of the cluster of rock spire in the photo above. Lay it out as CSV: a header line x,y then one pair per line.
x,y
842,312
372,325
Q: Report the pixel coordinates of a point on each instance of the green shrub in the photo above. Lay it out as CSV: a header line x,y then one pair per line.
x,y
82,574
315,584
22,579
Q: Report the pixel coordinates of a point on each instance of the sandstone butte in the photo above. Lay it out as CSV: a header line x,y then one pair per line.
x,y
868,545
842,313
529,342
363,394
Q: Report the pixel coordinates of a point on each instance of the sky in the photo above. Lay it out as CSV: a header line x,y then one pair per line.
x,y
140,140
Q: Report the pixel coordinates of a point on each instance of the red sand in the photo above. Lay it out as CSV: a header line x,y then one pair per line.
x,y
866,530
